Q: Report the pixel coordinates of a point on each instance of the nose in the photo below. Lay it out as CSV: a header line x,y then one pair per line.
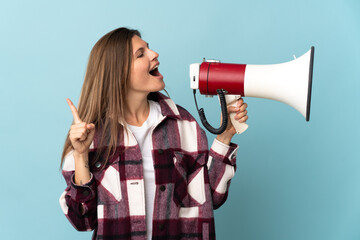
x,y
153,55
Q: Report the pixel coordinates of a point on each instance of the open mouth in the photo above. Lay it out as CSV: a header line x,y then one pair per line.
x,y
155,71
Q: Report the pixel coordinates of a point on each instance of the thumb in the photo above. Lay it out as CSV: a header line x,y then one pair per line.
x,y
91,128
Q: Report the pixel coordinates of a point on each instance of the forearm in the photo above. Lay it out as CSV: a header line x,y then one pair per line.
x,y
221,168
79,201
82,170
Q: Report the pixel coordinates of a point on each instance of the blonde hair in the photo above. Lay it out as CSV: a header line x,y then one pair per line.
x,y
103,94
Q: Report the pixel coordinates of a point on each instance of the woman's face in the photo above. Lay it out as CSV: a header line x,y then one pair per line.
x,y
145,77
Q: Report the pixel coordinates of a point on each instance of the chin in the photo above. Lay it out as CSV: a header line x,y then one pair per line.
x,y
162,87
157,84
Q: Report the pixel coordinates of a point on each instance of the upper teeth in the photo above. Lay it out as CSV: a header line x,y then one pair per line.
x,y
154,68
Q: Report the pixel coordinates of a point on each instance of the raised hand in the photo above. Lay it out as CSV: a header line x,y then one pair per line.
x,y
81,133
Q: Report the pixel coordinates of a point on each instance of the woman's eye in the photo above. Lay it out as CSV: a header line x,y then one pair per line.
x,y
140,55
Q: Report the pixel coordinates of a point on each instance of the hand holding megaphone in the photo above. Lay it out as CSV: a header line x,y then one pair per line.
x,y
288,82
232,101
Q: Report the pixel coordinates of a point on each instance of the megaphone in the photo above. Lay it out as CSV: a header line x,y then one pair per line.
x,y
288,82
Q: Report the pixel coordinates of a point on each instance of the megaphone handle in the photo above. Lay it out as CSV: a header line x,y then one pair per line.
x,y
231,101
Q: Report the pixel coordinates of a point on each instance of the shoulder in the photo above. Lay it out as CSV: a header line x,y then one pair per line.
x,y
169,108
185,114
188,123
193,137
172,110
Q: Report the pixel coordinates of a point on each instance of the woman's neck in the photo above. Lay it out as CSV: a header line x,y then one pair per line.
x,y
137,110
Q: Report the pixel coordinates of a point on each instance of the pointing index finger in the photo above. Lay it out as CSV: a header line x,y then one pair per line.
x,y
74,111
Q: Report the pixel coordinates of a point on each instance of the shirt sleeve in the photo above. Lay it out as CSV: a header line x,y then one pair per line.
x,y
78,202
221,166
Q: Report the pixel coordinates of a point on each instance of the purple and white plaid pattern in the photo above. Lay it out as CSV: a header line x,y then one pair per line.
x,y
191,181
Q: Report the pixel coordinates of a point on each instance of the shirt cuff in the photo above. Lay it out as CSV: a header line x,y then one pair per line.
x,y
83,193
228,152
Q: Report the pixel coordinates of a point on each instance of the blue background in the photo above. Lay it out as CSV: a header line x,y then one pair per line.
x,y
296,180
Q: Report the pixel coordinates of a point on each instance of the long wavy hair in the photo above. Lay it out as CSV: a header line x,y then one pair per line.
x,y
103,94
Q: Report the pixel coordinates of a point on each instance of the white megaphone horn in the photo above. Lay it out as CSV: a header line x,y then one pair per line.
x,y
288,82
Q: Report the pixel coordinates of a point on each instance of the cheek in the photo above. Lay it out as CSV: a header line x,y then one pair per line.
x,y
138,78
140,70
140,73
137,71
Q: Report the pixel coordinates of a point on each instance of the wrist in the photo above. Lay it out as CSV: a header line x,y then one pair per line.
x,y
224,138
81,159
80,155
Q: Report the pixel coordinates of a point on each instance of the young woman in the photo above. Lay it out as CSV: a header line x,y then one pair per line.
x,y
136,165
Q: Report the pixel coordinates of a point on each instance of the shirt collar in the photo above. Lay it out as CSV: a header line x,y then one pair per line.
x,y
168,107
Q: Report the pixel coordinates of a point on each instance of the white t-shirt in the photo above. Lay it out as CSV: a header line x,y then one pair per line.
x,y
143,137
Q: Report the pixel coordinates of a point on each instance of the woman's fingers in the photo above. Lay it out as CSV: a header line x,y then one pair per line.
x,y
78,126
240,110
91,134
243,119
81,131
242,106
240,115
74,111
78,136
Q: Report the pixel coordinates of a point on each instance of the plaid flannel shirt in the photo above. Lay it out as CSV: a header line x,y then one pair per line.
x,y
191,181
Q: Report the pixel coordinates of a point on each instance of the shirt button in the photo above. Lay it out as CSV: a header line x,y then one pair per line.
x,y
160,151
98,164
86,193
162,188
